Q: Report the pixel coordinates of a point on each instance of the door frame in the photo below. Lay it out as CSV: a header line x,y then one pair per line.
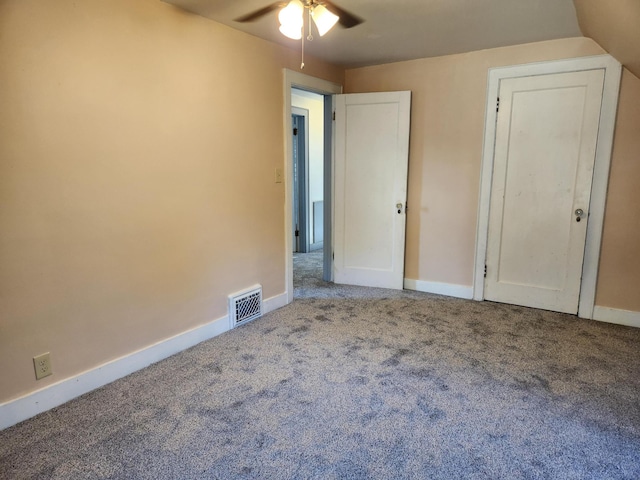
x,y
612,76
302,181
322,87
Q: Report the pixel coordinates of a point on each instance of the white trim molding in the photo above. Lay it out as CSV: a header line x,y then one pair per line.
x,y
274,303
614,315
448,289
30,405
613,72
22,408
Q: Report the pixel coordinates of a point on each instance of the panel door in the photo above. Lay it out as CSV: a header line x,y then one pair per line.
x,y
371,159
545,147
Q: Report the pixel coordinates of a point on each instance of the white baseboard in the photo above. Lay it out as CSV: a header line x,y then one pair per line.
x,y
275,302
614,315
15,411
449,289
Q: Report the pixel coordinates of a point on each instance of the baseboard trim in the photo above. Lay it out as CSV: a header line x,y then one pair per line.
x,y
614,315
275,302
448,289
30,405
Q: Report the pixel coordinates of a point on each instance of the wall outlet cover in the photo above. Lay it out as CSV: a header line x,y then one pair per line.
x,y
42,365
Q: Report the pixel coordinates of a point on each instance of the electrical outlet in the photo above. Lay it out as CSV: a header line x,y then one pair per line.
x,y
42,364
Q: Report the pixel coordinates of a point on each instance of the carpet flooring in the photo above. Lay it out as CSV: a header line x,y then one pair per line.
x,y
356,383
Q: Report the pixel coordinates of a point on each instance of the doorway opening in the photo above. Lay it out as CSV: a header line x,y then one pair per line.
x,y
307,149
322,248
300,214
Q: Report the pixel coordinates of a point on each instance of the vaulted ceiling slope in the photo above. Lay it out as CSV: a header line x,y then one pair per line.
x,y
615,26
396,30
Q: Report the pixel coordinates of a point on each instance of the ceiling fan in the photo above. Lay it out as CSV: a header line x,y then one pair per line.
x,y
325,15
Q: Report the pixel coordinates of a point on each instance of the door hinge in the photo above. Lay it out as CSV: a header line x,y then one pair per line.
x,y
333,256
295,131
334,115
498,105
485,271
297,233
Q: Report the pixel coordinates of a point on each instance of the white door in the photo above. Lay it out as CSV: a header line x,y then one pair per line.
x,y
371,158
545,145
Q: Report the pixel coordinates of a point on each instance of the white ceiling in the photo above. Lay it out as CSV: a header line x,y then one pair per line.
x,y
396,30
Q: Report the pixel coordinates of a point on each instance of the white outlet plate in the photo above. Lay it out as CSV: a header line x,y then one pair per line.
x,y
42,365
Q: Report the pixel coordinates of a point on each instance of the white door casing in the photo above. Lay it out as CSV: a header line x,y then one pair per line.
x,y
370,188
544,156
520,207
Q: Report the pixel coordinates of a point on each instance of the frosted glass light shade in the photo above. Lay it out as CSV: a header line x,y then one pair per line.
x,y
323,19
291,19
294,33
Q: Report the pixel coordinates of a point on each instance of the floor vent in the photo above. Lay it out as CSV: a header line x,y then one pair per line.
x,y
245,306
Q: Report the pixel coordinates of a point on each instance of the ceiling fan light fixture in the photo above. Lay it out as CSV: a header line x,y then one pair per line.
x,y
323,19
291,19
294,33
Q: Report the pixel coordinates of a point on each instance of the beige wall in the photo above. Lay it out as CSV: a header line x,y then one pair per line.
x,y
614,25
619,278
447,125
137,152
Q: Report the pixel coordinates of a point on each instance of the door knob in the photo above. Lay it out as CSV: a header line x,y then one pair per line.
x,y
399,207
579,214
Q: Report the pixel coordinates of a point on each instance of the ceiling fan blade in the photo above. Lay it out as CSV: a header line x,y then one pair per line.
x,y
347,19
253,16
